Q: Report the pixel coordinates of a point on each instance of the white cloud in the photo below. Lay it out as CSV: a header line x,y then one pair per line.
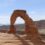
x,y
37,15
7,3
33,12
4,19
10,1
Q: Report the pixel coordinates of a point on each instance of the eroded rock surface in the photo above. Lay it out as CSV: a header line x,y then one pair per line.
x,y
30,28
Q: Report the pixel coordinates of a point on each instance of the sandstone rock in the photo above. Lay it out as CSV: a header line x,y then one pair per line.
x,y
30,28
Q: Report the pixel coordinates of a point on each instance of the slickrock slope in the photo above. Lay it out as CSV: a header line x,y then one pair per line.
x,y
10,39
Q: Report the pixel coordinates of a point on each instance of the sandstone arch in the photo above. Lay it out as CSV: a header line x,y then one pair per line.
x,y
30,29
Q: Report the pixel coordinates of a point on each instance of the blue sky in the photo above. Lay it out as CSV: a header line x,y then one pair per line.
x,y
34,8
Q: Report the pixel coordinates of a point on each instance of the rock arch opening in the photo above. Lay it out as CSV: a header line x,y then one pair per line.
x,y
20,25
19,20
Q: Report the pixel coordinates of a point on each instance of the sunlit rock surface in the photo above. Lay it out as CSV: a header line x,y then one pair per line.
x,y
11,39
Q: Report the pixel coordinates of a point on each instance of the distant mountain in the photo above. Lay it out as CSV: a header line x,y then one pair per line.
x,y
40,24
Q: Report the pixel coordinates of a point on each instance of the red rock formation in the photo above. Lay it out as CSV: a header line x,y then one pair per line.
x,y
30,28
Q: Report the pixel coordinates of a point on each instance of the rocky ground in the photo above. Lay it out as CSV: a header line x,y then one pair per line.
x,y
12,39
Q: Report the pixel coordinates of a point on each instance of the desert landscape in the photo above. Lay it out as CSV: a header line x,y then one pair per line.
x,y
20,37
22,22
30,33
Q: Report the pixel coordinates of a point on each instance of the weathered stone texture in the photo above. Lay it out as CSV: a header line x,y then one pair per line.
x,y
30,28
